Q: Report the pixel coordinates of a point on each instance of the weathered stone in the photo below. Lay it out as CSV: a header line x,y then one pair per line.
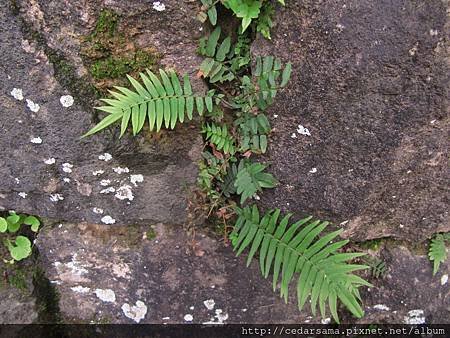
x,y
101,272
408,291
47,170
370,83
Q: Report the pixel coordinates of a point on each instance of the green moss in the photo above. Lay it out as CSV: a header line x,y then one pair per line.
x,y
107,23
110,53
116,67
151,234
373,244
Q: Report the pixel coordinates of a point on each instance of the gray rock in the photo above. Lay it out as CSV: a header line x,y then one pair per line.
x,y
408,292
97,269
370,82
46,169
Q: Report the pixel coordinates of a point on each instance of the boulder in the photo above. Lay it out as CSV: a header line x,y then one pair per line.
x,y
361,131
47,104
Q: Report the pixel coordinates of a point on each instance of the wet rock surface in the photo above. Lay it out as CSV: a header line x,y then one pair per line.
x,y
156,275
46,169
361,131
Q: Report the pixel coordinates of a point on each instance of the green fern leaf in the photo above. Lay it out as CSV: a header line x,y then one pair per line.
x,y
244,9
301,251
251,179
163,100
437,252
220,137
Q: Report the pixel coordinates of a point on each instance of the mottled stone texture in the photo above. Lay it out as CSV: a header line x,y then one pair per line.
x,y
371,83
40,53
170,272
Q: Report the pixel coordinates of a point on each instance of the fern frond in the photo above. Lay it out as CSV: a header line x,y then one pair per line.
x,y
220,137
227,186
160,100
437,252
300,250
215,67
253,132
270,76
251,179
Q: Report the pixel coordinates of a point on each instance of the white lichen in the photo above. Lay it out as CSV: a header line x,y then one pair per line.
x,y
36,140
106,295
34,107
444,279
97,210
98,172
136,312
303,131
51,160
120,170
159,6
23,194
67,167
17,94
313,170
108,190
136,179
66,100
80,289
415,317
105,157
124,192
105,183
294,135
188,317
56,197
66,180
381,307
108,220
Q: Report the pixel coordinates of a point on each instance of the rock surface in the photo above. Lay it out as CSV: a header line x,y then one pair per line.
x,y
371,84
46,169
408,291
163,273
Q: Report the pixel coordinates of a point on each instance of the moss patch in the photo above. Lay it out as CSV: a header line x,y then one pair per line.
x,y
110,53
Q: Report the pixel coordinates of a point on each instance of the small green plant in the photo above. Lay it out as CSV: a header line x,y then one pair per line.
x,y
300,249
377,266
220,137
20,246
438,252
160,100
251,178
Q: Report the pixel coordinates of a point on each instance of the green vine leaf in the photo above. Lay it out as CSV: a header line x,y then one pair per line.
x,y
20,249
3,225
33,222
244,9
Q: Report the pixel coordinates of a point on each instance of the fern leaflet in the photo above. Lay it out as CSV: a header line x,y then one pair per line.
x,y
161,100
220,137
323,273
251,178
437,252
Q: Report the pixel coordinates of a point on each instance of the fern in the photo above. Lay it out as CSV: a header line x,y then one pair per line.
x,y
253,132
220,137
438,252
162,100
323,273
211,12
251,179
227,186
377,266
215,67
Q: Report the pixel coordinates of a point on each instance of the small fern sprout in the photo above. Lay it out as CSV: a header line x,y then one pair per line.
x,y
438,252
162,101
220,137
323,273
